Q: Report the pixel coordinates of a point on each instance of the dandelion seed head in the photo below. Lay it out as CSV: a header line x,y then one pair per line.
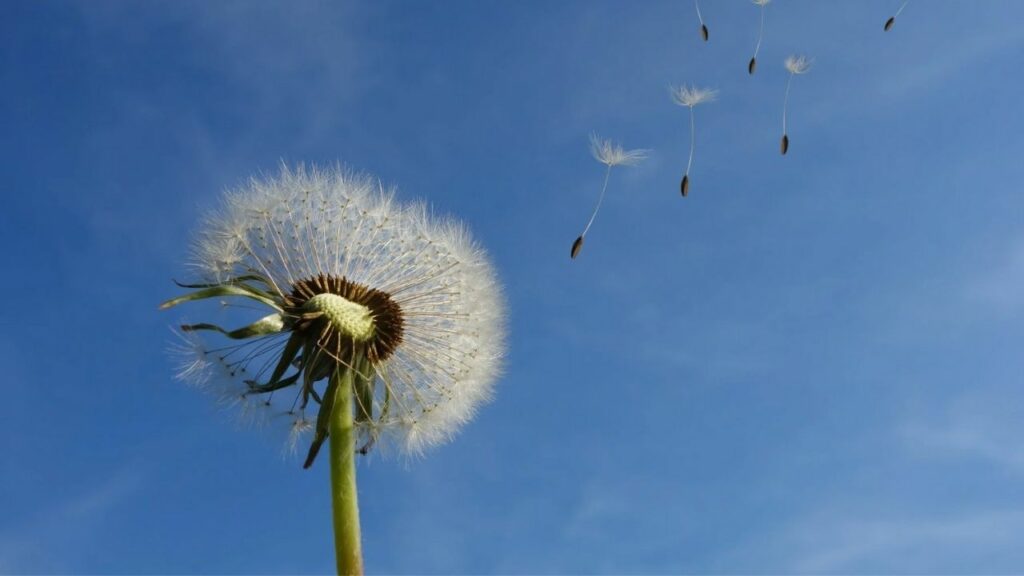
x,y
798,64
612,154
691,95
350,270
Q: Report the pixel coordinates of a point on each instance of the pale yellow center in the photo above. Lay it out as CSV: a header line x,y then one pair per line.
x,y
354,320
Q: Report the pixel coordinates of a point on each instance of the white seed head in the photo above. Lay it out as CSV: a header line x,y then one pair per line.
x,y
692,96
798,64
611,154
761,2
309,222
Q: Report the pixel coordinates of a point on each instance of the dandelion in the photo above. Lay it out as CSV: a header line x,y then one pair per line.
x,y
760,35
795,65
892,19
690,97
703,27
383,325
609,154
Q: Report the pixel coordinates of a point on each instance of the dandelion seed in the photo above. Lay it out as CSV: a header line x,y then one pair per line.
x,y
300,428
385,321
691,96
703,27
795,65
892,19
760,35
609,154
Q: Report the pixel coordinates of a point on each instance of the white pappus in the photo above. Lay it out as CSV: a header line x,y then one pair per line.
x,y
350,278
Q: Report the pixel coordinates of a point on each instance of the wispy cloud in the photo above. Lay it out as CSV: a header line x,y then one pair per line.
x,y
909,511
930,70
69,525
1000,288
976,541
978,427
293,72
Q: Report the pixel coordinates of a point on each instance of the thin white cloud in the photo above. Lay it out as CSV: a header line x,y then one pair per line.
x,y
862,526
932,69
1002,287
979,427
69,525
857,544
294,71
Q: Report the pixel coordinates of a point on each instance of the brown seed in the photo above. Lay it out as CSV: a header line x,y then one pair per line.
x,y
576,246
752,66
889,23
685,186
785,144
704,32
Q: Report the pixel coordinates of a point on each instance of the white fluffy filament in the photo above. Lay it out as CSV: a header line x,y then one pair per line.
x,y
306,222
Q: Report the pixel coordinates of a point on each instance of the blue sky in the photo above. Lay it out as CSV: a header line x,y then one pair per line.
x,y
811,364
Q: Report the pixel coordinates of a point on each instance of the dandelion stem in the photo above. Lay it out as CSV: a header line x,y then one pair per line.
x,y
785,102
693,143
600,199
760,32
347,546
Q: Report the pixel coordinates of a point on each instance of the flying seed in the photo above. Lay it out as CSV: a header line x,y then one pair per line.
x,y
889,23
760,36
610,154
704,32
691,96
795,65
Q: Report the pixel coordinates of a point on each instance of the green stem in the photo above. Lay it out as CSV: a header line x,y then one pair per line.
x,y
343,476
